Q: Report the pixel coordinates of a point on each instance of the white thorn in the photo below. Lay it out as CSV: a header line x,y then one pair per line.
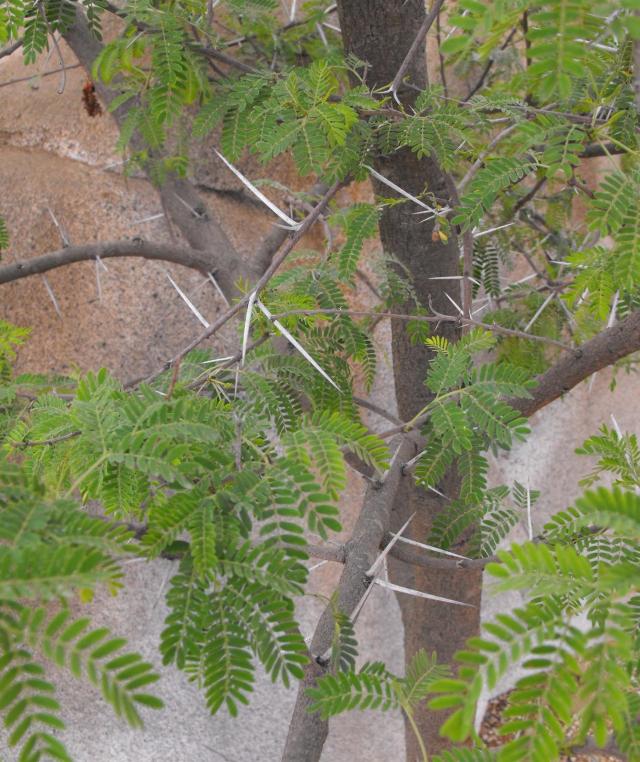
x,y
290,224
614,307
187,301
616,427
98,282
149,219
539,312
529,520
432,548
400,190
374,566
457,306
218,289
418,593
247,325
294,342
52,296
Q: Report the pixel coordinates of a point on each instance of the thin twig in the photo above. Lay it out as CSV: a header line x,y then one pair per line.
x,y
435,318
40,74
376,409
367,282
487,68
63,75
504,331
174,380
418,41
201,380
47,442
443,77
305,225
530,195
229,60
477,165
11,48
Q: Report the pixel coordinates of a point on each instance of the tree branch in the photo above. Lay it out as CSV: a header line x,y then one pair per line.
x,y
308,732
595,150
437,317
376,409
278,235
306,224
603,350
180,200
46,442
11,48
181,255
50,73
218,55
530,195
415,45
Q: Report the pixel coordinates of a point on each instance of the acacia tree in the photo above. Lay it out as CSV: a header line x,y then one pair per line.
x,y
260,444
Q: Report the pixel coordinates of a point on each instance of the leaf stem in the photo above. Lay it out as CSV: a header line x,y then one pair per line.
x,y
83,476
416,732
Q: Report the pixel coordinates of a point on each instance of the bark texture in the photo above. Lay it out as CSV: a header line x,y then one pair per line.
x,y
380,33
307,732
181,202
180,255
604,349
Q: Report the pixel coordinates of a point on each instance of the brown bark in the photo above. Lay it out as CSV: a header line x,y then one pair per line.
x,y
181,255
180,200
605,349
307,732
381,33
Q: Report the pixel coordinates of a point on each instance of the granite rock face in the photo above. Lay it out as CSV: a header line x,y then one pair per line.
x,y
53,156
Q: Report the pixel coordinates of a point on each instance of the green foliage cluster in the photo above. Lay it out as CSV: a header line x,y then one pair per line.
x,y
230,483
225,482
53,552
229,472
578,682
213,486
374,687
468,412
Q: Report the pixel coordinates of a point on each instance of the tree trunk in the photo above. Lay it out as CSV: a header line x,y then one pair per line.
x,y
380,33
